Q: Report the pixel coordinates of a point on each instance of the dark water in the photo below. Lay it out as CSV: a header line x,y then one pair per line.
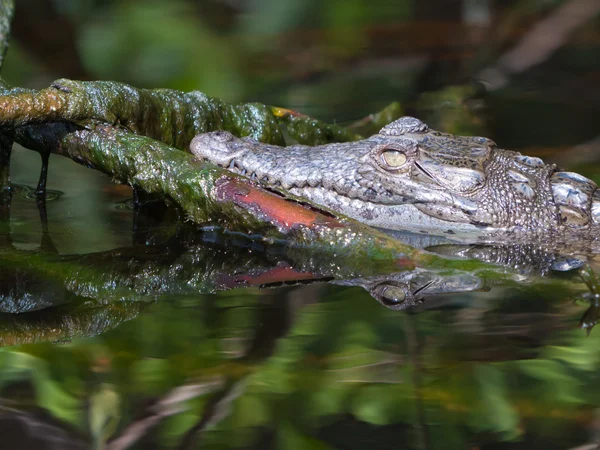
x,y
187,338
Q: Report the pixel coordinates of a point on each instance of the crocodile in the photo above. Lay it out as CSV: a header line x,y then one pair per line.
x,y
411,177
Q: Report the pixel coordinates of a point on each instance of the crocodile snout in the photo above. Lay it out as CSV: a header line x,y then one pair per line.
x,y
216,146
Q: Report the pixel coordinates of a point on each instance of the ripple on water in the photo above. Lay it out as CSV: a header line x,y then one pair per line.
x,y
28,192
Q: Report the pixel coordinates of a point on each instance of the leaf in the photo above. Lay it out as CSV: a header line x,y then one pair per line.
x,y
379,404
50,394
544,369
104,414
494,412
52,397
251,411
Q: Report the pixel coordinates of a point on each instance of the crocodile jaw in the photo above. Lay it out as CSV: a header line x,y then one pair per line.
x,y
402,217
366,200
520,194
342,170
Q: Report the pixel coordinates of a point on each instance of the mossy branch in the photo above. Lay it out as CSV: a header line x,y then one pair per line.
x,y
170,116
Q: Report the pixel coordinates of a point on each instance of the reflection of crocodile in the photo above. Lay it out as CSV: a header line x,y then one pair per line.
x,y
81,295
411,177
404,290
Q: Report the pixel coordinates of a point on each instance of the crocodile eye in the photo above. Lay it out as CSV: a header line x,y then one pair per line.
x,y
393,158
393,294
396,156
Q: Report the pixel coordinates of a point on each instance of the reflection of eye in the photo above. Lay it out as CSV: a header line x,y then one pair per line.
x,y
390,295
393,158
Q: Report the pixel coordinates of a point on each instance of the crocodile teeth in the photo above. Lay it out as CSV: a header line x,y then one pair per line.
x,y
243,172
231,164
313,179
253,176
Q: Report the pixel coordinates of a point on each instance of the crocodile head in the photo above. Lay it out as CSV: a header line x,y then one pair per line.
x,y
404,290
411,177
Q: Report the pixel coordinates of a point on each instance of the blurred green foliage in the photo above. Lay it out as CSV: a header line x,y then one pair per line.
x,y
343,357
156,43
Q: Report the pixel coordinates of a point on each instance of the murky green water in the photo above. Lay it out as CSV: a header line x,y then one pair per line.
x,y
133,330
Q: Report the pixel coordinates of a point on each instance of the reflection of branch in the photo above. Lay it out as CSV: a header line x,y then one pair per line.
x,y
590,317
5,152
170,404
274,321
217,409
40,429
5,192
537,45
63,325
414,353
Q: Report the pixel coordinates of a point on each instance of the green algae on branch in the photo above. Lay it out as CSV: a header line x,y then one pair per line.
x,y
309,131
306,130
170,116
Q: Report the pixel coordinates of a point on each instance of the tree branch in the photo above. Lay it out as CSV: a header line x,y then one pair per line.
x,y
170,116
